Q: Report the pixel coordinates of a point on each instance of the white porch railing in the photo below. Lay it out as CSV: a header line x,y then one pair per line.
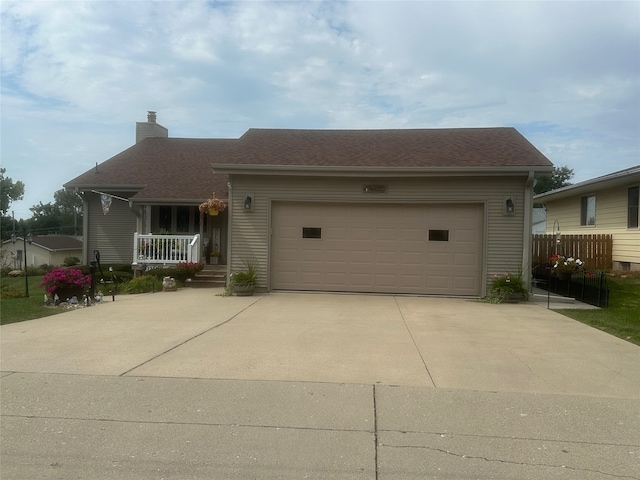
x,y
165,249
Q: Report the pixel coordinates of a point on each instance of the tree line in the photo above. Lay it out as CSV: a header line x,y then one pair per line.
x,y
63,216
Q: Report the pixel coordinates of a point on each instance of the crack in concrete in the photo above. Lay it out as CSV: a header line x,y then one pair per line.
x,y
535,439
395,299
510,462
189,339
202,424
375,431
529,368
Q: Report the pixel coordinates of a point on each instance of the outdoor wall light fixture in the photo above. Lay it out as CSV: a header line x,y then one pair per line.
x,y
248,201
509,206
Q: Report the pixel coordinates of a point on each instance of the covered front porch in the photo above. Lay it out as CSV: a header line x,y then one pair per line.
x,y
150,249
179,234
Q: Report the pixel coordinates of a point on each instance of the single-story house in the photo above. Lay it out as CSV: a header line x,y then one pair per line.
x,y
539,221
42,250
420,211
602,205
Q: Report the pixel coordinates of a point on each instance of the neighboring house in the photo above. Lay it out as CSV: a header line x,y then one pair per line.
x,y
539,223
43,250
607,204
422,211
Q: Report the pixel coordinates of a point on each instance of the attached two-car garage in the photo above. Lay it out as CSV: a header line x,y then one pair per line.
x,y
382,248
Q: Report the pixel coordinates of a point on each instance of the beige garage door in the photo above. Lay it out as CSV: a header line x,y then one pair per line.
x,y
426,249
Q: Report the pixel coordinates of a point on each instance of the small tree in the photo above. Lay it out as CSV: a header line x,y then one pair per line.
x,y
559,178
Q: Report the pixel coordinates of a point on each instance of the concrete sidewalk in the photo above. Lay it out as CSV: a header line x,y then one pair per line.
x,y
188,384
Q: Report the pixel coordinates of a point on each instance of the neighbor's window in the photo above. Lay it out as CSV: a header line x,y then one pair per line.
x,y
588,210
633,211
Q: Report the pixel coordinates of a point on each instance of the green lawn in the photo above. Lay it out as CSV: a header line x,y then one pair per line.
x,y
622,317
14,308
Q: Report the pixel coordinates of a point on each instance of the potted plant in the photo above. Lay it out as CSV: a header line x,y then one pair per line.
x,y
65,283
212,205
564,267
214,257
243,282
507,288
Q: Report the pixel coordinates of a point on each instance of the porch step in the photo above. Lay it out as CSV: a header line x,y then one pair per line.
x,y
211,276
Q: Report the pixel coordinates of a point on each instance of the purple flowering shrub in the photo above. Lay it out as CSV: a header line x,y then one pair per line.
x,y
61,278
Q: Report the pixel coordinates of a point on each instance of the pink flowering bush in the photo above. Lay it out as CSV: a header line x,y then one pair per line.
x,y
62,278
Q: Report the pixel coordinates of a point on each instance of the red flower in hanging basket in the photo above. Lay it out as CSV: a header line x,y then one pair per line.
x,y
212,204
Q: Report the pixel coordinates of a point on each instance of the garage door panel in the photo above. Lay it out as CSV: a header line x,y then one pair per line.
x,y
463,282
339,281
417,235
411,281
366,248
387,234
465,236
438,259
334,233
387,258
465,259
438,281
360,280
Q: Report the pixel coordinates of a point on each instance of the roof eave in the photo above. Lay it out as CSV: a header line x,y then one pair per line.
x,y
367,171
171,201
101,186
613,180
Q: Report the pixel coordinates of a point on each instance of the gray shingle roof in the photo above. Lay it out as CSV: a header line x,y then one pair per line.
x,y
453,147
58,242
180,168
162,168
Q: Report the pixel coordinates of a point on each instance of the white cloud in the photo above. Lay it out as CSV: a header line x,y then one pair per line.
x,y
77,75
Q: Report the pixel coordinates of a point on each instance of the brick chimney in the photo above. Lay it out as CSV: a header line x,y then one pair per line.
x,y
150,128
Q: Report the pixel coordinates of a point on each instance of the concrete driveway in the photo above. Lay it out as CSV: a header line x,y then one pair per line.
x,y
189,384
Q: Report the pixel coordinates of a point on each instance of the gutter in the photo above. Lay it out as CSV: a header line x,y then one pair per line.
x,y
611,180
345,171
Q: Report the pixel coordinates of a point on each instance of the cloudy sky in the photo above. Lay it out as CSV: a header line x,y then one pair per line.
x,y
76,76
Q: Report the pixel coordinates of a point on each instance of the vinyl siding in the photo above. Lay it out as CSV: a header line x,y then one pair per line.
x,y
611,218
111,234
503,234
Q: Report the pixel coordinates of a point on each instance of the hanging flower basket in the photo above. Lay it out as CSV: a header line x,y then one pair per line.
x,y
212,206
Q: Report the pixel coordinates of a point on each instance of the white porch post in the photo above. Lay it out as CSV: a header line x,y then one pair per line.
x,y
135,248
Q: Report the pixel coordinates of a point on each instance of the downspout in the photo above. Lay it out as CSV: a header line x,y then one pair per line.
x,y
137,211
526,244
229,224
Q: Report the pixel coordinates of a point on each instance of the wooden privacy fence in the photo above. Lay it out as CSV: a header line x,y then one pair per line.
x,y
593,250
